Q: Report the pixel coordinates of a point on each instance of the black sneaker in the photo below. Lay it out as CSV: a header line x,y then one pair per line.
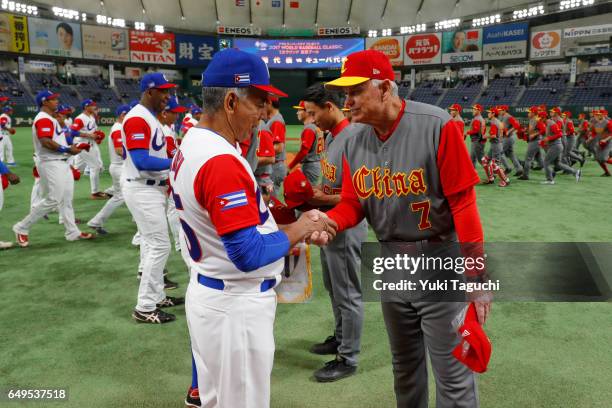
x,y
335,370
168,284
193,398
99,230
329,346
170,301
155,317
523,177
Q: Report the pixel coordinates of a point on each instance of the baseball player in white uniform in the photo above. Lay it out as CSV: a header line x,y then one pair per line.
x,y
145,185
85,130
115,153
191,119
236,250
57,184
6,130
6,177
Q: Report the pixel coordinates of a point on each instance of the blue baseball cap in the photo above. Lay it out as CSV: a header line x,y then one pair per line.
x,y
133,103
195,110
45,96
63,109
232,68
7,108
88,102
174,105
155,80
122,109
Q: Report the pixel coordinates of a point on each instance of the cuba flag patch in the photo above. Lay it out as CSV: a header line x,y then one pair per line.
x,y
232,200
242,79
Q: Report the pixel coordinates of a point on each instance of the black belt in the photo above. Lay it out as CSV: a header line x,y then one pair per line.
x,y
151,182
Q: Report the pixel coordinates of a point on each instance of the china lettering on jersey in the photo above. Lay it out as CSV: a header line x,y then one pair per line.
x,y
200,148
398,181
46,125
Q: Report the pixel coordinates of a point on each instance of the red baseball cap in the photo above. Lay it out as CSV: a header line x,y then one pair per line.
x,y
300,106
543,114
556,110
567,114
477,106
534,109
474,349
297,189
503,107
494,110
603,112
361,66
281,213
4,98
455,107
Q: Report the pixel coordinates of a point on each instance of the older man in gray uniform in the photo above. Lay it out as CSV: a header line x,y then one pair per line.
x,y
341,259
407,171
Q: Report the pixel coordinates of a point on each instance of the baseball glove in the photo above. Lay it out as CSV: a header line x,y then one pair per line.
x,y
100,135
12,131
83,146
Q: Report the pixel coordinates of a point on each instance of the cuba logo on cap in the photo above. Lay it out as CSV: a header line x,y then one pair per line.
x,y
242,78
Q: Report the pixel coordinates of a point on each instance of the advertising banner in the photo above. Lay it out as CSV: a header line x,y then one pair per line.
x,y
392,47
307,53
105,43
55,38
545,44
462,46
423,49
589,31
505,41
152,48
14,33
195,50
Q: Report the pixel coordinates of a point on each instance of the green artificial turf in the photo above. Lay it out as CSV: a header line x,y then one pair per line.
x,y
65,313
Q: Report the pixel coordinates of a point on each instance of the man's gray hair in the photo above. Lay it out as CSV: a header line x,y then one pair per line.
x,y
213,97
394,89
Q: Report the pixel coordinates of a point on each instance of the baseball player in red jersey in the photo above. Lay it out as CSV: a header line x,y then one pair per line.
x,y
601,132
494,135
265,157
512,128
553,146
477,140
433,200
535,131
6,178
145,186
455,112
115,153
6,130
311,147
276,126
235,246
570,153
52,152
583,134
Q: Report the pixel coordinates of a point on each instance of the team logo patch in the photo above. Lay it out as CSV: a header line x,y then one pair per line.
x,y
137,136
232,200
242,78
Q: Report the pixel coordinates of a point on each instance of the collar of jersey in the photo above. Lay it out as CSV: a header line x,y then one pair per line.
x,y
339,127
385,137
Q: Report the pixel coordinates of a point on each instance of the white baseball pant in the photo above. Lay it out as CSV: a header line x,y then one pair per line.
x,y
232,340
57,188
173,221
114,202
93,160
148,207
6,149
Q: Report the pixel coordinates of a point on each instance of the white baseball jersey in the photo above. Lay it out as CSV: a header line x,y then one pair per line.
x,y
211,206
170,135
68,122
142,130
115,141
86,124
46,125
5,124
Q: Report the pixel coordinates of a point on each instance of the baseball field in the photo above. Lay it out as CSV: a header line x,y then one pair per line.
x,y
65,312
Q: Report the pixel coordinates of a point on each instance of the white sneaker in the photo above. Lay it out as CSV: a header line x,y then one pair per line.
x,y
548,182
5,245
578,175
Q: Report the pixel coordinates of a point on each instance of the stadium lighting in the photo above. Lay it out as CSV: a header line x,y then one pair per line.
x,y
483,21
68,14
528,12
113,22
159,29
413,29
139,25
386,32
372,33
19,7
570,4
446,24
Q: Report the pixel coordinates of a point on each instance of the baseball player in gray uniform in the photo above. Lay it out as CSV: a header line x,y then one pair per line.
x,y
494,136
276,126
432,200
341,259
311,146
554,149
602,134
511,127
571,137
476,132
535,130
265,158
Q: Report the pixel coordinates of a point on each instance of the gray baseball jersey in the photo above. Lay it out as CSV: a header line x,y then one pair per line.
x,y
263,174
314,154
398,180
278,118
549,125
331,161
251,153
478,118
505,120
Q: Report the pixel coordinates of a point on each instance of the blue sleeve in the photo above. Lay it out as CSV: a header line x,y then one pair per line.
x,y
143,161
250,250
74,133
3,169
69,137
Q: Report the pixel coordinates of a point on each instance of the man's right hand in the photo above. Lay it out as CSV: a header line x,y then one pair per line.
x,y
13,178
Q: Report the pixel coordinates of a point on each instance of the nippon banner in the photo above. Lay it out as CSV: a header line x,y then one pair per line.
x,y
462,46
422,49
506,41
14,33
195,50
152,48
545,44
306,53
392,47
55,38
105,43
589,31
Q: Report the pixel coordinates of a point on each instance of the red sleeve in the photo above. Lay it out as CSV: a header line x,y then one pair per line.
x,y
556,133
244,147
77,124
186,127
266,146
3,121
116,137
465,215
570,128
515,124
609,126
44,128
170,146
278,132
348,212
137,133
457,172
493,130
541,128
308,138
229,200
475,130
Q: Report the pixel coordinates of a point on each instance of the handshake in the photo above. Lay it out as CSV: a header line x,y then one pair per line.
x,y
313,227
